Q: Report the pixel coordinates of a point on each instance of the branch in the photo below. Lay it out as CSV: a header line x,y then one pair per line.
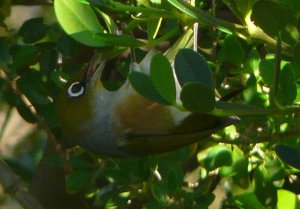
x,y
12,185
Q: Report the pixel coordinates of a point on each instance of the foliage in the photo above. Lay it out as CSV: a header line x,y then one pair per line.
x,y
248,59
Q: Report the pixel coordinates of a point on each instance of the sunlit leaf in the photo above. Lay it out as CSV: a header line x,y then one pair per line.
x,y
287,200
76,17
80,22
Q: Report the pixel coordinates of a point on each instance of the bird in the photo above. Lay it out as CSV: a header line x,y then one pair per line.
x,y
123,122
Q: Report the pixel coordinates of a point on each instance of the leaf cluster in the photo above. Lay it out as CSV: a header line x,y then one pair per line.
x,y
247,64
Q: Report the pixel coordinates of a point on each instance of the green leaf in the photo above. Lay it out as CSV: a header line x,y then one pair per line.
x,y
289,155
23,56
16,101
247,201
232,51
67,45
83,1
159,191
48,60
215,157
75,17
275,167
109,22
123,40
143,85
287,92
33,30
101,39
296,54
78,180
252,63
205,201
48,113
266,67
173,181
291,5
287,200
239,169
192,67
57,77
185,41
161,74
78,20
24,110
272,18
244,6
197,97
264,188
32,87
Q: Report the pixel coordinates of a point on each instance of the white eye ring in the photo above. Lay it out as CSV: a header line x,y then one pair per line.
x,y
78,92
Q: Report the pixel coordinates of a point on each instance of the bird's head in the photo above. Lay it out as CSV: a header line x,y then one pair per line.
x,y
76,103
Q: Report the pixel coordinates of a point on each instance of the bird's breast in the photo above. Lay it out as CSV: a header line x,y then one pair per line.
x,y
139,116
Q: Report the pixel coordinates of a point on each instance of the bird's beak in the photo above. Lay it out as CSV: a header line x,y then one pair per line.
x,y
95,67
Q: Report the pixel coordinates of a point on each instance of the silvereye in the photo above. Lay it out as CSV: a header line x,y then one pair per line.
x,y
123,122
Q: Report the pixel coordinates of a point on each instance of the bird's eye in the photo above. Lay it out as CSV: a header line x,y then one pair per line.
x,y
76,89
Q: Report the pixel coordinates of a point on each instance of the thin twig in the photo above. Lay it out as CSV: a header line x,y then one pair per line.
x,y
5,122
